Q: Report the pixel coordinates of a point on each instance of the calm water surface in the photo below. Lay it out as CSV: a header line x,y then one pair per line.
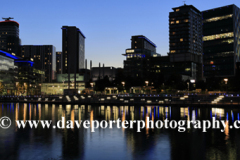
x,y
164,144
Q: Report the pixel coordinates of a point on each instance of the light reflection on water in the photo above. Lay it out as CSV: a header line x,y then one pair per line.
x,y
117,143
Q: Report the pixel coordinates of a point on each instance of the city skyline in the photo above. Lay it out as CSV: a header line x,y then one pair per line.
x,y
108,26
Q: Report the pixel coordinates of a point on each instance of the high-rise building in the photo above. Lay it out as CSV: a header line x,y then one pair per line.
x,y
44,57
185,31
221,41
9,36
59,62
137,62
73,49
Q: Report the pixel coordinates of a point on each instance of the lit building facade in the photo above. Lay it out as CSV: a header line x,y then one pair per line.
x,y
185,32
9,36
29,78
19,76
221,41
8,73
44,57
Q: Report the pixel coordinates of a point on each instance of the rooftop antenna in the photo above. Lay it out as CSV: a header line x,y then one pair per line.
x,y
184,2
7,19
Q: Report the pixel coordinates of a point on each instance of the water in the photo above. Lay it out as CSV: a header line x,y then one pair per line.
x,y
164,144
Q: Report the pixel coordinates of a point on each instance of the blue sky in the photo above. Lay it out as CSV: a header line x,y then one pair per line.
x,y
107,24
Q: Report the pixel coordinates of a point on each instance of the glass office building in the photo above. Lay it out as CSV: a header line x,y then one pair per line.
x,y
221,41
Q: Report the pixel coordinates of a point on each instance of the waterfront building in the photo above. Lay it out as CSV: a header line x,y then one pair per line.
x,y
44,58
73,50
221,36
185,37
19,76
9,36
29,78
101,72
59,87
138,56
8,73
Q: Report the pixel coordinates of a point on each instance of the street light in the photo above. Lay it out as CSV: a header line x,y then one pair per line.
x,y
123,83
91,83
226,80
193,82
146,83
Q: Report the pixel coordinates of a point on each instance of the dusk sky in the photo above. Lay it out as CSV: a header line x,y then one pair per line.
x,y
107,24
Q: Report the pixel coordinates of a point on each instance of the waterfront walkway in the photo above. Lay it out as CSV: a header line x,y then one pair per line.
x,y
150,99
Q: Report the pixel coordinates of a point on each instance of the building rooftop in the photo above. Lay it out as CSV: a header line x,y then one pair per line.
x,y
9,21
187,6
65,27
142,36
219,8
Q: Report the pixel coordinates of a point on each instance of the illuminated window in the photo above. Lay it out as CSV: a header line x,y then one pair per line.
x,y
218,18
172,22
181,39
173,44
173,33
211,62
177,10
130,51
135,41
173,51
187,69
177,22
186,20
218,36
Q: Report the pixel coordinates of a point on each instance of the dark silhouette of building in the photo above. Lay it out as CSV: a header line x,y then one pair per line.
x,y
9,36
59,62
221,34
137,63
101,72
185,31
73,50
44,57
